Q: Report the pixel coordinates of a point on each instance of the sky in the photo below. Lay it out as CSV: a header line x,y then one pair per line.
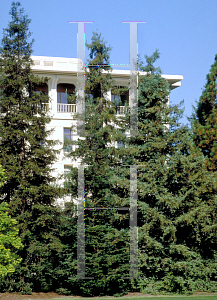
x,y
185,32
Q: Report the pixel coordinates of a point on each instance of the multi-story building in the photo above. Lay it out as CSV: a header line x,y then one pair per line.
x,y
62,74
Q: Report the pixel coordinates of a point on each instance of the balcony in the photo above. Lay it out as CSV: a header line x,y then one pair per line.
x,y
66,108
71,108
121,110
45,106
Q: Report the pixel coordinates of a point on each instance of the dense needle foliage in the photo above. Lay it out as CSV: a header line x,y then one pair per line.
x,y
177,203
27,155
205,120
177,200
106,230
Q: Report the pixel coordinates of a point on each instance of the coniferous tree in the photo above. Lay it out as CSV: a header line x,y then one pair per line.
x,y
205,120
177,204
27,155
106,230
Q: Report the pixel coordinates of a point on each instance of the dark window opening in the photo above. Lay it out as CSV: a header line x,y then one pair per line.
x,y
122,99
43,88
67,169
63,91
67,132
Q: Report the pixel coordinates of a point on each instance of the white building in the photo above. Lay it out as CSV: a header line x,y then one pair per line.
x,y
63,79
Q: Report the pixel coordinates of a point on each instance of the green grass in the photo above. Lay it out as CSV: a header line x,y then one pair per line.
x,y
192,297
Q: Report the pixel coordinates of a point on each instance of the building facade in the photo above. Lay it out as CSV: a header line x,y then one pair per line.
x,y
62,74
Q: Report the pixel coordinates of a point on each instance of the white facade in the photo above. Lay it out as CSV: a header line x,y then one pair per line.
x,y
64,71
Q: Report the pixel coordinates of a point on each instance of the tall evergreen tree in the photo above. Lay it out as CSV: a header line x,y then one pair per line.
x,y
205,120
27,155
106,230
177,204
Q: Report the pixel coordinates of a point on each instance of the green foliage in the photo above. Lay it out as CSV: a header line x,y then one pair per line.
x,y
27,155
106,230
96,83
9,242
99,52
177,203
187,277
150,60
2,176
26,152
48,256
204,121
176,197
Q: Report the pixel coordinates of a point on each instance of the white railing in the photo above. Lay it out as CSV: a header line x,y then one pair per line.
x,y
66,108
71,108
121,110
45,106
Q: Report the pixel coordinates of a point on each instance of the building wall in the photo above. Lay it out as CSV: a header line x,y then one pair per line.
x,y
64,70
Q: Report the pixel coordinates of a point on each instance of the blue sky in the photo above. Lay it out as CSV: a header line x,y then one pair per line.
x,y
185,32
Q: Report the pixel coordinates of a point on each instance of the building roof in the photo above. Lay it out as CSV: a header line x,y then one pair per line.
x,y
69,66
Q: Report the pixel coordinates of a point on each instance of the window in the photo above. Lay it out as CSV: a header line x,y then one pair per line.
x,y
67,169
67,133
43,88
63,91
121,99
115,99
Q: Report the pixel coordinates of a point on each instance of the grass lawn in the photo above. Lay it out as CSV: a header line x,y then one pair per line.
x,y
129,296
191,297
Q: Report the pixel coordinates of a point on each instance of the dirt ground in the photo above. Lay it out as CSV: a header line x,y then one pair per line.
x,y
51,295
45,296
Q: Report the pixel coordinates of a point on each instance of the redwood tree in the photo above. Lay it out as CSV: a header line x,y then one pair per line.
x,y
106,230
205,120
27,155
177,204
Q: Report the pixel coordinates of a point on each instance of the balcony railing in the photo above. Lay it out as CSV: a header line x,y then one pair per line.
x,y
71,108
45,106
121,110
66,108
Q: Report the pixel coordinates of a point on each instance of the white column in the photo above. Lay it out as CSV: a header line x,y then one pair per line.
x,y
52,92
108,95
